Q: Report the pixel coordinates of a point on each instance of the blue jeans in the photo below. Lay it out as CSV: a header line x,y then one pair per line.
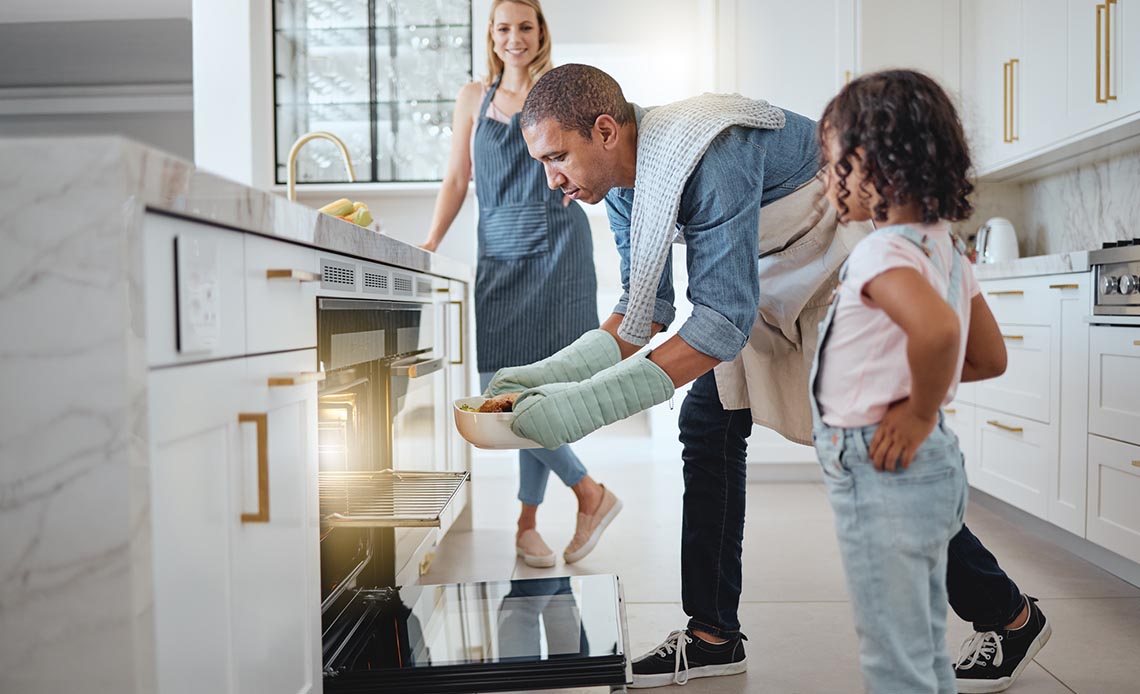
x,y
536,464
712,522
894,529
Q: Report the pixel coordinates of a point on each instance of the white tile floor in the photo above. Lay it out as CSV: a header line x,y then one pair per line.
x,y
794,609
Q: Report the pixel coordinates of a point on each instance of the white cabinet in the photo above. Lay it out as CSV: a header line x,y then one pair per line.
x,y
992,78
763,36
1114,382
281,281
234,472
1016,457
1041,99
960,417
1114,488
1043,80
1103,62
1032,422
1026,386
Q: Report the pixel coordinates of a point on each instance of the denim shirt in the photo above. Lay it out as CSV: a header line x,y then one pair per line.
x,y
743,170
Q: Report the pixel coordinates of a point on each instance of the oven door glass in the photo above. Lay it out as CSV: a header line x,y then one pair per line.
x,y
491,636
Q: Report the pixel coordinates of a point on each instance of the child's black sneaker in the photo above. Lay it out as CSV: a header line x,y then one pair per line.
x,y
684,656
990,661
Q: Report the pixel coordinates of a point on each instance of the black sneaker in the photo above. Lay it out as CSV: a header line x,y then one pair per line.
x,y
990,661
684,656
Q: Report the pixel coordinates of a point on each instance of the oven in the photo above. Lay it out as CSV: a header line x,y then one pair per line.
x,y
386,347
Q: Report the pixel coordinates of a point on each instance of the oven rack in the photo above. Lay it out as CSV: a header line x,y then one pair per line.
x,y
387,498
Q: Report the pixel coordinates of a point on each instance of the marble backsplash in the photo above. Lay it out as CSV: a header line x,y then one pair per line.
x,y
1076,209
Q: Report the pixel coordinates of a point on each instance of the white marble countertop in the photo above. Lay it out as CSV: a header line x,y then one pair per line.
x,y
165,182
1056,264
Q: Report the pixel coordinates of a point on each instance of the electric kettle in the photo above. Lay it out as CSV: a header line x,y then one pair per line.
x,y
997,241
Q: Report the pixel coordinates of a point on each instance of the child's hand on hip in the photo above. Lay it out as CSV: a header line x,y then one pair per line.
x,y
899,436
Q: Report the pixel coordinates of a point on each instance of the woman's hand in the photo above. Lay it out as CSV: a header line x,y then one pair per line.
x,y
899,436
430,245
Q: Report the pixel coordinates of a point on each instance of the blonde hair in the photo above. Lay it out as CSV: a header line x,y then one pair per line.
x,y
541,63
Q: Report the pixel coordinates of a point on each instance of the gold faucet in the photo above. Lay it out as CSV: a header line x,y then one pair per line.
x,y
291,167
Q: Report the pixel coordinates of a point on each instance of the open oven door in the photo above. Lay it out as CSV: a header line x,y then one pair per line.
x,y
539,633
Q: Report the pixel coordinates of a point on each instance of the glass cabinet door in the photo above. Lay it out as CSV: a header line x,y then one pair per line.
x,y
381,75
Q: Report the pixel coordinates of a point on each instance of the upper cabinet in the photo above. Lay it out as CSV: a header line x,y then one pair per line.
x,y
766,57
1043,80
1104,83
992,97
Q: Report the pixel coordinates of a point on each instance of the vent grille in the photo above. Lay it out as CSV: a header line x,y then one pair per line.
x,y
338,275
402,285
375,280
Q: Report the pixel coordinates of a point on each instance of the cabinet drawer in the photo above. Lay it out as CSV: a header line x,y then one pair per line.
x,y
195,302
1016,457
960,417
1114,382
1021,300
1024,389
281,281
1114,487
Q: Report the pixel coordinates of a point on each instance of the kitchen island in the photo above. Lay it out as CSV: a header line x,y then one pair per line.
x,y
90,386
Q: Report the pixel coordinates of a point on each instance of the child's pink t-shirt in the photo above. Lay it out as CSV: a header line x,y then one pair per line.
x,y
864,365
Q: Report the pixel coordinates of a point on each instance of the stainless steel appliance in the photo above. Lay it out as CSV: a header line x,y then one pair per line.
x,y
384,417
1117,275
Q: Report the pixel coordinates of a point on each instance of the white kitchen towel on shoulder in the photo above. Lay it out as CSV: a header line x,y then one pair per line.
x,y
671,140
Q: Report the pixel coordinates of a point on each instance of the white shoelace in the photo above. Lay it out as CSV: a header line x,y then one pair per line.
x,y
982,647
676,643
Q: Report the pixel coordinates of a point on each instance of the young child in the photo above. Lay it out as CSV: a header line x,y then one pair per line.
x,y
907,323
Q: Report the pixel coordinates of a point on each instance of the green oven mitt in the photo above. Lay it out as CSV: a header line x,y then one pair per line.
x,y
559,413
579,360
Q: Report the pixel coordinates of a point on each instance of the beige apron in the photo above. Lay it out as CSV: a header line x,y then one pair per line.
x,y
802,246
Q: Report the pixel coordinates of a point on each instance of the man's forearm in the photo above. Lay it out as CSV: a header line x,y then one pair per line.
x,y
676,357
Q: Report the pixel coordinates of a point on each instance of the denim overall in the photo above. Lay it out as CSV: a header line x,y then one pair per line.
x,y
893,530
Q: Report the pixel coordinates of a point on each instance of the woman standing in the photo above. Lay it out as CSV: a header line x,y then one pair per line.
x,y
535,290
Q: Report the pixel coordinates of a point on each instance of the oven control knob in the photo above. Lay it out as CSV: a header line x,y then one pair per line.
x,y
1109,284
1128,284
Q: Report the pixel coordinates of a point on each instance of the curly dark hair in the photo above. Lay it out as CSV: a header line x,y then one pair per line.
x,y
913,146
574,96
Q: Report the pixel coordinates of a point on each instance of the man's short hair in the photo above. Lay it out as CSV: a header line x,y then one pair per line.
x,y
574,96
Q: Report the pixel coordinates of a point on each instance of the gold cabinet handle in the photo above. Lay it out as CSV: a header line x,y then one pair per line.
x,y
1004,427
1008,292
298,275
1099,10
1014,131
1064,286
1108,50
949,410
1136,343
846,77
1013,337
1005,103
262,422
296,379
1136,463
459,304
